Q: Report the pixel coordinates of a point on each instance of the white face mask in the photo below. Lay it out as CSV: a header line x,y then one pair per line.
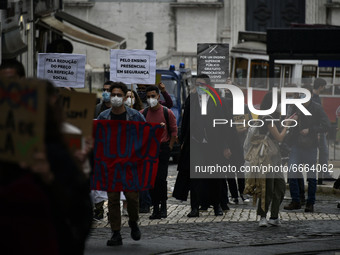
x,y
130,102
116,101
152,102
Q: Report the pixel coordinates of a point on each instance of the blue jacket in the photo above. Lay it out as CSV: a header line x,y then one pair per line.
x,y
131,114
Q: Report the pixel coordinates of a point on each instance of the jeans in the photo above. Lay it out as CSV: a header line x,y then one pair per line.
x,y
302,156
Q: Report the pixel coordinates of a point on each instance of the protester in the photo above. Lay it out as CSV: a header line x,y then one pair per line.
x,y
304,151
133,100
48,207
160,114
105,103
318,86
119,111
12,69
141,90
275,185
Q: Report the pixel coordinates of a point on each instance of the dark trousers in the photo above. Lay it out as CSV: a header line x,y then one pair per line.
x,y
160,191
194,193
132,199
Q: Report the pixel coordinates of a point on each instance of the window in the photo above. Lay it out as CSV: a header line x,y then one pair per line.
x,y
259,72
241,66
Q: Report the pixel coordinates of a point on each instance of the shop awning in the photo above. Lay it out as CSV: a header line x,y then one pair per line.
x,y
12,44
87,34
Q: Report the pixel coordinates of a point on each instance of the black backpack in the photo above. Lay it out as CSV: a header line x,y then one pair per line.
x,y
166,116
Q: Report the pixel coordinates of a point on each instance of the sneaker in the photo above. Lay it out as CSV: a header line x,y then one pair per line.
x,y
245,198
293,206
115,240
274,222
309,208
135,232
263,222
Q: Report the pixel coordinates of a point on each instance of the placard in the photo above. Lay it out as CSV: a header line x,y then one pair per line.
x,y
22,119
133,66
213,60
79,109
125,155
65,70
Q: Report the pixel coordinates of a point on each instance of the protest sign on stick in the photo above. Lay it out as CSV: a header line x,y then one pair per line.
x,y
133,66
213,60
64,70
125,155
22,119
79,109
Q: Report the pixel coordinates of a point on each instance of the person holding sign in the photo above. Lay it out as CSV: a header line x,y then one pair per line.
x,y
141,90
160,114
119,111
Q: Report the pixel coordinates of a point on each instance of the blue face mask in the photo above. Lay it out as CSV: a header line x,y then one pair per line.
x,y
106,96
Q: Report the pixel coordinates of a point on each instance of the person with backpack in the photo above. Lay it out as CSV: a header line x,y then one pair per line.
x,y
272,184
160,114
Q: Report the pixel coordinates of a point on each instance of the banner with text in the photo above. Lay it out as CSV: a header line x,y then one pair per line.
x,y
79,109
133,66
125,155
22,119
65,70
213,60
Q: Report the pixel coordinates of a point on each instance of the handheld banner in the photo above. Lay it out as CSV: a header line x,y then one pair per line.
x,y
65,70
133,66
22,119
125,155
79,109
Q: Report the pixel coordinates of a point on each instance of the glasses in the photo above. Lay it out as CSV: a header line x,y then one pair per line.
x,y
106,90
116,94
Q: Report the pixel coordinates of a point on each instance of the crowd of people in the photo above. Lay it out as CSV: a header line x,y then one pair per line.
x,y
51,200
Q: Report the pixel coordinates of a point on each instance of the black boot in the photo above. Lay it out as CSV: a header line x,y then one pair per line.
x,y
135,232
115,240
163,211
194,213
156,214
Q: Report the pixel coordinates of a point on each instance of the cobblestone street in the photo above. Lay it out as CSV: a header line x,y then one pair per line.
x,y
237,227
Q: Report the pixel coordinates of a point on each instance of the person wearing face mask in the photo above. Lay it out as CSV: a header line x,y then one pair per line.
x,y
160,114
141,90
133,100
105,103
119,111
98,196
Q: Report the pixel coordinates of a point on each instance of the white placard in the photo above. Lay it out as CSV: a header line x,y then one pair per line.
x,y
65,70
133,66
